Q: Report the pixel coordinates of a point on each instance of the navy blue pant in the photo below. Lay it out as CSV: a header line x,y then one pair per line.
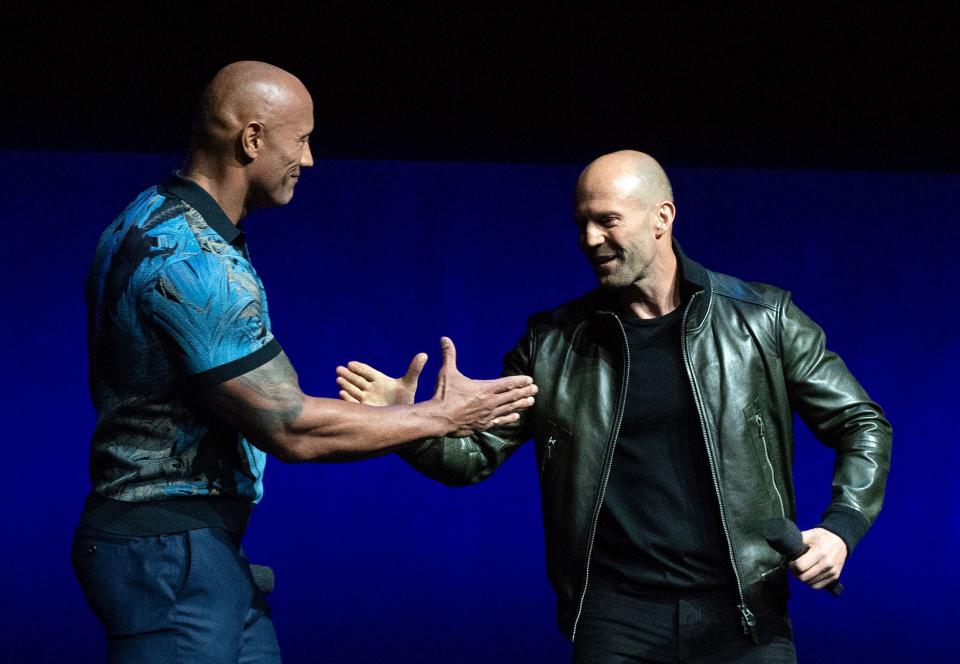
x,y
620,627
180,597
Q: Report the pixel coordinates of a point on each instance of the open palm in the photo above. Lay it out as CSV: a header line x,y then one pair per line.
x,y
361,383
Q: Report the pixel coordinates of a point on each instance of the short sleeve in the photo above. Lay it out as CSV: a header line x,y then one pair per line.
x,y
211,309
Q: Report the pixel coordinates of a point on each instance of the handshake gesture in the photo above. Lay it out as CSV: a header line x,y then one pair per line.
x,y
467,405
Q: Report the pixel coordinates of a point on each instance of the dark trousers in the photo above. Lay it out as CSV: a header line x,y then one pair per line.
x,y
620,626
180,597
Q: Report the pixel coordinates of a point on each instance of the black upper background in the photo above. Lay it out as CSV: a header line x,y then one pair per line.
x,y
812,85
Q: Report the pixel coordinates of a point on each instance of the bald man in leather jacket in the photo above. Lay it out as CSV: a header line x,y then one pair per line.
x,y
664,439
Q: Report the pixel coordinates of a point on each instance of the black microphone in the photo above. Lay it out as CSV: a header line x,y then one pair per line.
x,y
785,538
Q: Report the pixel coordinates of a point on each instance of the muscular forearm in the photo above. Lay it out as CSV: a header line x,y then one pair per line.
x,y
268,407
332,430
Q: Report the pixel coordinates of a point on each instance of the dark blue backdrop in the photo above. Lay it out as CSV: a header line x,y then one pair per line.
x,y
374,261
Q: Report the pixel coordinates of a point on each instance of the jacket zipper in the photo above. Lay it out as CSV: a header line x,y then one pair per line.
x,y
766,454
611,447
547,454
747,618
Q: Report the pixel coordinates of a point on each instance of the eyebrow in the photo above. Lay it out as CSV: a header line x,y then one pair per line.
x,y
606,212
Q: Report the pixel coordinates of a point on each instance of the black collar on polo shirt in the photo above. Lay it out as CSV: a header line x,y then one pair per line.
x,y
196,197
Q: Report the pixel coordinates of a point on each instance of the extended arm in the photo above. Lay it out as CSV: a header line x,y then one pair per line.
x,y
268,406
450,459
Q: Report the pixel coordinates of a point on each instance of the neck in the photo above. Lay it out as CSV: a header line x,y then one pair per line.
x,y
658,293
223,182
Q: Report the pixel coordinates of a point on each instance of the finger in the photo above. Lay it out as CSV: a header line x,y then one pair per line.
x,y
509,418
519,394
819,572
351,375
449,354
351,389
823,580
416,366
513,407
819,576
364,370
348,376
347,397
806,576
808,560
511,383
803,574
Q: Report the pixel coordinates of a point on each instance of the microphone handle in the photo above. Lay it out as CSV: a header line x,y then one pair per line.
x,y
835,588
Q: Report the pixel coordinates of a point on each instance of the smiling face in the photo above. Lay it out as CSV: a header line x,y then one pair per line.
x,y
283,150
621,221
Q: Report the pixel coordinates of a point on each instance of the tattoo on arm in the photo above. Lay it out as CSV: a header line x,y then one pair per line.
x,y
265,399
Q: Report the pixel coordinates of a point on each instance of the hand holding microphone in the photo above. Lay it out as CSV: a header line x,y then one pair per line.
x,y
817,555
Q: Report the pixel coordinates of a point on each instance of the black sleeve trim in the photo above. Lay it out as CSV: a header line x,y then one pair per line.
x,y
846,523
237,367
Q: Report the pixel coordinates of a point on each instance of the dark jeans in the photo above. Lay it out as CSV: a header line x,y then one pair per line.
x,y
620,627
180,597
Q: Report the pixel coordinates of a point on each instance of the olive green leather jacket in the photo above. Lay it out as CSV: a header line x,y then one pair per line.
x,y
752,358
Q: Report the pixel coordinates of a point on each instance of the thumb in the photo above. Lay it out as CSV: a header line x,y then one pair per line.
x,y
416,366
449,352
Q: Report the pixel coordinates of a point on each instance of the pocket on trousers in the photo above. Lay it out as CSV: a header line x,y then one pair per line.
x,y
131,583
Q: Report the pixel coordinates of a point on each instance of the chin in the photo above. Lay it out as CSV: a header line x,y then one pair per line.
x,y
281,198
608,285
609,281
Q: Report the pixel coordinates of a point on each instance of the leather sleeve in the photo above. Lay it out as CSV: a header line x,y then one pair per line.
x,y
460,461
842,416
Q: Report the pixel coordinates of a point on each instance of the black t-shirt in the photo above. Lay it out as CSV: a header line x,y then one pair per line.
x,y
659,526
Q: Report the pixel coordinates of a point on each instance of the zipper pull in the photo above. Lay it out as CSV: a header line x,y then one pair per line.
x,y
760,424
749,622
547,454
551,441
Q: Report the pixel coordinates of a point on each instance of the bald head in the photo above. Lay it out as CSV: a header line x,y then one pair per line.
x,y
245,92
251,137
624,210
627,173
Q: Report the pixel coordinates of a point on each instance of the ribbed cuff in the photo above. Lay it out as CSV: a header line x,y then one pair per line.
x,y
846,523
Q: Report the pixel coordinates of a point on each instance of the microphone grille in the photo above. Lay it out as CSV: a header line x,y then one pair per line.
x,y
784,536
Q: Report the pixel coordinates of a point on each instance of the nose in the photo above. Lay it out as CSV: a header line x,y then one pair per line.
x,y
590,236
306,157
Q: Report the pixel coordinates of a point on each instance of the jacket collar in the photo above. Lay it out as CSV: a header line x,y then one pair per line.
x,y
694,278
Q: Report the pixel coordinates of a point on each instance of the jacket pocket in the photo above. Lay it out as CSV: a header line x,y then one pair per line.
x,y
761,447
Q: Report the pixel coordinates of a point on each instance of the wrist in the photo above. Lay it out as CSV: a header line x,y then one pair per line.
x,y
846,523
434,417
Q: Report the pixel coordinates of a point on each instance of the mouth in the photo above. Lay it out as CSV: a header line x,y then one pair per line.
x,y
602,262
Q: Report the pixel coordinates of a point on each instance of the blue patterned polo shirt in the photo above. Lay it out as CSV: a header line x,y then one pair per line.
x,y
174,305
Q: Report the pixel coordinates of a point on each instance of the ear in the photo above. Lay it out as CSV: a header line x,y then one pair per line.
x,y
666,212
251,139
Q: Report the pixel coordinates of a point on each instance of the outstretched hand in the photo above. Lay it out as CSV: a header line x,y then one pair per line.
x,y
361,383
467,405
477,405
